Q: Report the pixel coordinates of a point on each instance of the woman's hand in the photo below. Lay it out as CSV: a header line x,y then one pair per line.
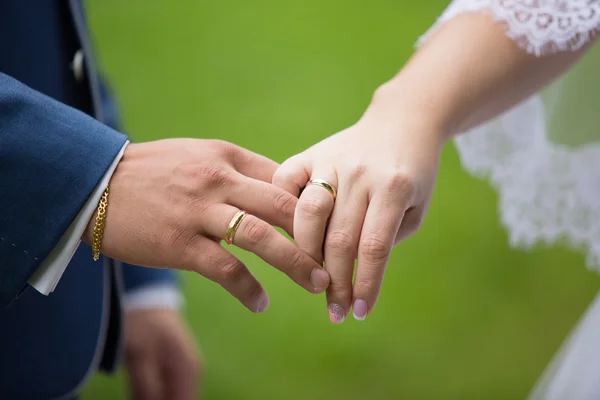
x,y
383,169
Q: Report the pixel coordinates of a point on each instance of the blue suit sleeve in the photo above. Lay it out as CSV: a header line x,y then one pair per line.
x,y
51,159
135,277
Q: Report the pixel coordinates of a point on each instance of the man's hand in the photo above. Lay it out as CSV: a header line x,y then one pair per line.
x,y
160,356
171,202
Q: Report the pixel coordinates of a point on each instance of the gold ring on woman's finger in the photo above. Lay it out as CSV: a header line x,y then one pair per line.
x,y
324,184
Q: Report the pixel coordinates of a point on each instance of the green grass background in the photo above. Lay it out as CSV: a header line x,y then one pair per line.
x,y
461,316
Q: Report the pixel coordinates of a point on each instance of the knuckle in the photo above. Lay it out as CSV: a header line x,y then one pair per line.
x,y
230,270
296,260
216,175
178,247
285,172
195,175
339,240
222,146
257,231
190,171
178,238
183,249
314,207
285,204
358,171
399,183
341,291
228,151
375,248
208,263
280,178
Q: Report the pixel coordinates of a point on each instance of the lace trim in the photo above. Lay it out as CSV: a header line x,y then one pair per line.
x,y
548,192
538,26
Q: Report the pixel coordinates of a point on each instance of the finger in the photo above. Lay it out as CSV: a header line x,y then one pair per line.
x,y
180,379
292,175
253,165
180,385
212,261
413,218
181,366
312,213
341,244
381,224
144,379
265,201
262,239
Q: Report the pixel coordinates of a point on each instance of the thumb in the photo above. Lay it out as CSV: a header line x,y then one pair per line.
x,y
293,175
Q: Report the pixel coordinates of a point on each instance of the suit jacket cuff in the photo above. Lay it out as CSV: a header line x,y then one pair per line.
x,y
47,276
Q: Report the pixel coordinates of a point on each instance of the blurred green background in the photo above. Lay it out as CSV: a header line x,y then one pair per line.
x,y
461,315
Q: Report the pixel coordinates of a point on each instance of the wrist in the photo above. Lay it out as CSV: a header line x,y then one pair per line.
x,y
395,104
96,197
88,234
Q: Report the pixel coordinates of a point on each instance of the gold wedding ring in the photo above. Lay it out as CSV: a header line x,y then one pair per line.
x,y
234,224
324,184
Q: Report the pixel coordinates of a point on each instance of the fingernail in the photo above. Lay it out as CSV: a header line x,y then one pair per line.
x,y
360,309
262,303
319,278
336,313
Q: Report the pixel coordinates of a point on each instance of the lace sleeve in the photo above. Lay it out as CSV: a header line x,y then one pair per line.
x,y
543,155
538,26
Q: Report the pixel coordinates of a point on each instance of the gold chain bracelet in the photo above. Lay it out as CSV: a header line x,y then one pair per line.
x,y
100,223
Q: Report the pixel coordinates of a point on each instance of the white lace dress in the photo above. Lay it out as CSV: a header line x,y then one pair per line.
x,y
543,157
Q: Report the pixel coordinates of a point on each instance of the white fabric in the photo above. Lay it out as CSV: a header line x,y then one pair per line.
x,y
46,277
53,266
163,296
549,191
574,374
539,26
543,157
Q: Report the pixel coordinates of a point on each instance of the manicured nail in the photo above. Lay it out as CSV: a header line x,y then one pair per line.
x,y
319,278
262,303
336,313
360,309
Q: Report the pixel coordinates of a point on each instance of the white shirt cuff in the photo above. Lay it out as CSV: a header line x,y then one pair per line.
x,y
156,296
46,277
